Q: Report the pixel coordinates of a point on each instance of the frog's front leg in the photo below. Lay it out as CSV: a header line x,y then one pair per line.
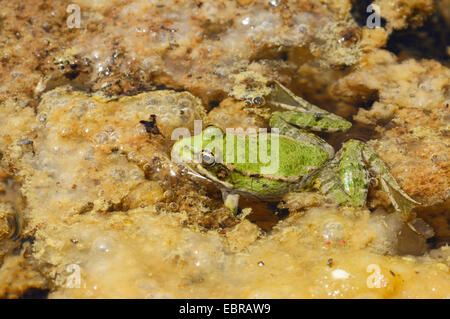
x,y
347,176
301,113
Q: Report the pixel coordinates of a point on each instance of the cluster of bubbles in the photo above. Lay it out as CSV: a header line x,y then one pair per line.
x,y
259,100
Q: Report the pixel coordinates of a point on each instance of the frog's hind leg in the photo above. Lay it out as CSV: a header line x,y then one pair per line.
x,y
346,177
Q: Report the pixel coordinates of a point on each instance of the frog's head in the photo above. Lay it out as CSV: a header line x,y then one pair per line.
x,y
200,151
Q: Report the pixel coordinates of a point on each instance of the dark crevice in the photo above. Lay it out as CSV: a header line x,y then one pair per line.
x,y
436,216
429,41
432,242
35,293
367,101
163,87
72,75
264,213
213,104
359,131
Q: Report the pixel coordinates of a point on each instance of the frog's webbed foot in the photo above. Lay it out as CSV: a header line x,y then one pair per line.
x,y
347,176
230,200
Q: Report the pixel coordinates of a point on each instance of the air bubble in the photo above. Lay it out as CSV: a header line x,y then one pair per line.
x,y
101,138
332,231
170,99
103,244
184,104
153,101
168,194
42,117
259,100
275,3
79,111
65,132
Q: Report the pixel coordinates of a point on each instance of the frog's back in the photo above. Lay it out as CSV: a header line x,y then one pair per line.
x,y
278,166
286,159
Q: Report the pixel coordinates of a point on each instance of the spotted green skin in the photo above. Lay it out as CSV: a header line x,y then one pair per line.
x,y
304,160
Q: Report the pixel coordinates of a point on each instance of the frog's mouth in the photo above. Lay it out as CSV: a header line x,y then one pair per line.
x,y
199,169
185,154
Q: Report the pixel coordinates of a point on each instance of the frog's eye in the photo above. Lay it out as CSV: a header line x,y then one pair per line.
x,y
208,158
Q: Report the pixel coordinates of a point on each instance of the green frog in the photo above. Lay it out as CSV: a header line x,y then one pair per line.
x,y
293,158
